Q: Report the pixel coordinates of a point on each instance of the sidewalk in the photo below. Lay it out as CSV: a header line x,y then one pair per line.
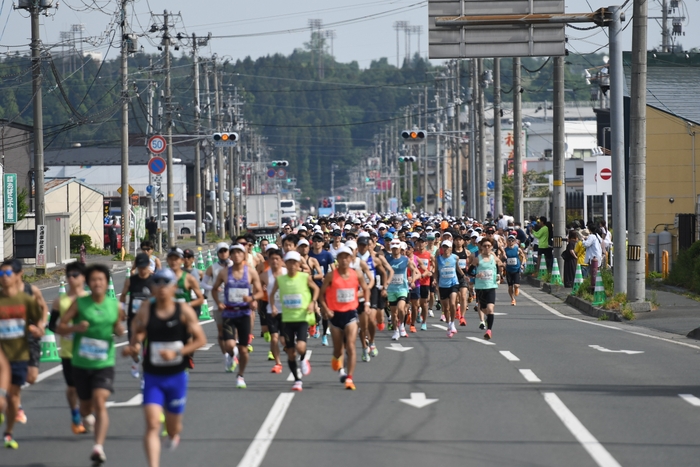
x,y
676,313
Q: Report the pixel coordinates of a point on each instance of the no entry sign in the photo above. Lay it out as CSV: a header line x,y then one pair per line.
x,y
606,174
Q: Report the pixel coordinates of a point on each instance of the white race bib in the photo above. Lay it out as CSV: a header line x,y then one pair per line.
x,y
236,295
136,304
345,295
447,273
487,275
93,349
156,347
425,262
397,279
12,328
512,261
292,301
462,263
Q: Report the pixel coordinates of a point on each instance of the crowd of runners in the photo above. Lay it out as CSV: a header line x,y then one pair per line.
x,y
331,279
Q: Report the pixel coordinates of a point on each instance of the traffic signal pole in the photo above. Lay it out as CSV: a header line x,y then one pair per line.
x,y
518,205
220,158
125,222
169,132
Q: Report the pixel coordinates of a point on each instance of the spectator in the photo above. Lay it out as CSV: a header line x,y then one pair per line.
x,y
542,233
594,254
113,237
570,259
152,229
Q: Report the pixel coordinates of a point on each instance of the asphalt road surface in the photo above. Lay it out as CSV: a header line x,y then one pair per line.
x,y
553,388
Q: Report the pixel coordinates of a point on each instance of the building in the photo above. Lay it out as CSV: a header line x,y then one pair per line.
x,y
18,158
82,202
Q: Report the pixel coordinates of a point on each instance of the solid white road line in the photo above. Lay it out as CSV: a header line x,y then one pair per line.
x,y
530,376
480,341
258,448
509,356
596,450
592,323
690,399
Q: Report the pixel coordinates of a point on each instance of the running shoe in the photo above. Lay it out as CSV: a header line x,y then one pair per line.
x,y
395,336
172,443
431,314
391,326
412,328
462,321
318,332
512,302
297,386
305,367
402,331
135,370
21,417
349,384
381,326
482,325
250,348
458,315
343,375
336,363
2,418
454,328
98,455
442,317
423,327
312,331
438,306
419,319
373,352
10,442
267,336
365,355
276,369
476,308
450,332
228,362
270,357
488,335
324,341
89,423
240,383
517,291
78,428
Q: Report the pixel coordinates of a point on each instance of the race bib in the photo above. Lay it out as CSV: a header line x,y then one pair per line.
x,y
447,273
156,347
136,304
487,275
93,349
425,263
462,264
12,328
512,261
345,295
236,295
292,301
397,279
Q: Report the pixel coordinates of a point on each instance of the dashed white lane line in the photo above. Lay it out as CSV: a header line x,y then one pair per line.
x,y
509,356
308,357
440,326
480,341
530,376
592,323
255,454
596,450
690,399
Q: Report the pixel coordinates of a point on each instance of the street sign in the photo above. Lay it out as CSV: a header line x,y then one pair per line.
x,y
9,192
157,179
131,190
41,246
157,165
502,40
606,174
156,144
271,173
149,189
490,184
281,173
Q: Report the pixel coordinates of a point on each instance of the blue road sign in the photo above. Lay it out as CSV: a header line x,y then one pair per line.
x,y
271,173
490,185
149,188
156,165
419,199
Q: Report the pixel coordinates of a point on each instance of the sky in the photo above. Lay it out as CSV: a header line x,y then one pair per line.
x,y
363,28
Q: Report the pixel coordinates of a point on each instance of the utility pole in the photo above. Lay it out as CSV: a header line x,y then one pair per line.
x,y
637,159
424,150
483,199
210,164
518,207
125,132
150,130
458,141
197,130
559,169
665,33
497,155
220,158
473,209
169,131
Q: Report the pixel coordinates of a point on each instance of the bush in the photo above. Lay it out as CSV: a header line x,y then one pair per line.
x,y
77,240
686,269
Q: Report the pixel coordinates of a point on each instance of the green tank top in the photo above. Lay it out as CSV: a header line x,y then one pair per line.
x,y
490,273
94,349
66,342
295,297
183,294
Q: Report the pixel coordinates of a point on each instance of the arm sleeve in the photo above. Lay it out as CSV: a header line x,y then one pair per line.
x,y
207,283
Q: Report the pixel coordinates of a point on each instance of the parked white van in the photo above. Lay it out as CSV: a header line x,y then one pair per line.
x,y
185,222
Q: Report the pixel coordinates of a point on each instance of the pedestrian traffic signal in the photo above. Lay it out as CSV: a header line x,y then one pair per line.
x,y
225,139
414,136
280,163
407,158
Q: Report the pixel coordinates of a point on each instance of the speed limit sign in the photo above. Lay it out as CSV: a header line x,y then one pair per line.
x,y
156,144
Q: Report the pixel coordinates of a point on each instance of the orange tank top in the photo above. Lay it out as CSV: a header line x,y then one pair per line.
x,y
341,296
264,289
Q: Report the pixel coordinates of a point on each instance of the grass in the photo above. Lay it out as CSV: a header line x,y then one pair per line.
x,y
127,257
627,312
603,317
616,302
97,251
57,274
213,238
654,299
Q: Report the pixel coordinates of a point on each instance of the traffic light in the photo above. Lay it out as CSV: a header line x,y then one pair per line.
x,y
280,163
225,139
407,158
414,136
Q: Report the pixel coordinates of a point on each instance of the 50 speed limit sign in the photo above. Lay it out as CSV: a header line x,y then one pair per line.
x,y
156,144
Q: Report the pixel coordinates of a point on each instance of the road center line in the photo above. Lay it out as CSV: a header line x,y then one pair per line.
x,y
596,450
509,356
690,399
530,376
480,341
258,448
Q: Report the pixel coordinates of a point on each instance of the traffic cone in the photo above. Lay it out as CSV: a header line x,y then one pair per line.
x,y
110,289
556,277
599,294
49,351
62,289
210,262
543,269
204,315
578,279
530,264
200,263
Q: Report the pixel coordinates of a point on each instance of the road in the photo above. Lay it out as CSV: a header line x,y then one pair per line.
x,y
553,388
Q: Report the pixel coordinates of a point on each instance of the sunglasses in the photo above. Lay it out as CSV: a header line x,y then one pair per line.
x,y
243,243
146,249
7,273
74,275
223,250
161,281
487,245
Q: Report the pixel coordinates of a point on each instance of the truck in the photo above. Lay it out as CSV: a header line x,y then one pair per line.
x,y
263,214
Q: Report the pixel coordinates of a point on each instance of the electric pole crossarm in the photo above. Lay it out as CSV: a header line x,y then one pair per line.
x,y
598,17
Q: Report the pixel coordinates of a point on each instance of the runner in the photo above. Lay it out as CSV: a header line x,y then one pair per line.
x,y
487,266
210,275
363,268
377,294
171,331
75,279
313,268
425,267
241,288
414,294
153,261
339,301
136,290
399,287
274,323
463,259
446,275
20,315
96,318
515,258
297,296
189,267
325,260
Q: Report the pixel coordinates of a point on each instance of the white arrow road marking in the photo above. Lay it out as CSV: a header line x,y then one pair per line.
x,y
509,356
603,349
690,399
206,347
530,376
398,348
291,376
596,450
133,402
418,400
258,448
440,326
480,341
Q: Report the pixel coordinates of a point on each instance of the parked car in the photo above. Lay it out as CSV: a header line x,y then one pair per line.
x,y
185,222
119,236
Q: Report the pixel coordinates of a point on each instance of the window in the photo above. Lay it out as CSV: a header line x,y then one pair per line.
x,y
579,171
547,153
582,153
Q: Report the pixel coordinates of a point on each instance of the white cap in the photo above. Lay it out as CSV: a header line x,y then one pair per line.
x,y
292,256
238,247
221,246
347,227
415,235
317,228
363,234
303,241
446,243
381,226
404,245
285,225
343,249
271,246
446,233
302,228
352,244
394,244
